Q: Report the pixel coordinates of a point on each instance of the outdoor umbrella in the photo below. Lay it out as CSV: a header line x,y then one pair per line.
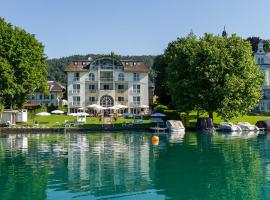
x,y
43,114
158,115
57,112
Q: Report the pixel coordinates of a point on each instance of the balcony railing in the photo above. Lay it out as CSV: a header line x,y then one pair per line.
x,y
75,103
75,91
135,92
92,91
76,78
106,79
121,91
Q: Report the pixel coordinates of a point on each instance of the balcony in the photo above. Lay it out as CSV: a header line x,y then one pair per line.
x,y
75,103
135,104
135,92
92,91
121,91
75,91
106,79
76,79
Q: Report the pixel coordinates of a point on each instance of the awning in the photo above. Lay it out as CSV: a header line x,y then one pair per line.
x,y
31,105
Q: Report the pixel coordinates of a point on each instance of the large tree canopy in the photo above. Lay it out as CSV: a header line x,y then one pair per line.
x,y
213,73
161,87
22,64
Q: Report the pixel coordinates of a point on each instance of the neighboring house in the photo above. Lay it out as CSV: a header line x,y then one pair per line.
x,y
107,82
263,60
54,98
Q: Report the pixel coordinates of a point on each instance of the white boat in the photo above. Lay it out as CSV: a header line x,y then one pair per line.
x,y
245,126
175,126
228,126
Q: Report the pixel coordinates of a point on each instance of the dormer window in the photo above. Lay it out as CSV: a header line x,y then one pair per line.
x,y
91,77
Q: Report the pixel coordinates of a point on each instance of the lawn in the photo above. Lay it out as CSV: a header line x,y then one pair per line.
x,y
251,118
91,122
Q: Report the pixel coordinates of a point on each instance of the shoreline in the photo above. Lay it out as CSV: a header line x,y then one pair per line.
x,y
67,129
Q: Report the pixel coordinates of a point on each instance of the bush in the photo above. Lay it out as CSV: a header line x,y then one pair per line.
x,y
172,114
160,108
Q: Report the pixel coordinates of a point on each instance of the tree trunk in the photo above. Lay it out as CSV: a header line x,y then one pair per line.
x,y
198,114
210,115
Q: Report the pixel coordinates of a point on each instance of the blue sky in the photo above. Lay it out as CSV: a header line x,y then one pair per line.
x,y
126,27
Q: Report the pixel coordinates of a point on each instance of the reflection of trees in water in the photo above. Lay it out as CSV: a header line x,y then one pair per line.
x,y
228,170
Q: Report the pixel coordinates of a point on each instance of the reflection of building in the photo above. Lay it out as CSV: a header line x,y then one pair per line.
x,y
109,162
54,97
108,82
263,60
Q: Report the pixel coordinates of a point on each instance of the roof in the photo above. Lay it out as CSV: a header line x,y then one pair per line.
x,y
55,86
129,66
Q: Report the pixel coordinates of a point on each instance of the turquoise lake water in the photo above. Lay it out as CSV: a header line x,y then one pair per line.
x,y
128,166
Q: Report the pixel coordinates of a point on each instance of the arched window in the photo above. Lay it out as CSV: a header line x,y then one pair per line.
x,y
106,101
121,77
91,77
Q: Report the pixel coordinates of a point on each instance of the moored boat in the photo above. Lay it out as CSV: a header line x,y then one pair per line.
x,y
175,126
228,126
245,126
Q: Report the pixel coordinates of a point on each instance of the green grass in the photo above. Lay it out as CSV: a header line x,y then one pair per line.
x,y
251,118
91,122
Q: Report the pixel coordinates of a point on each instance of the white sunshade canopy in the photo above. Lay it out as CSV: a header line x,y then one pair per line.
x,y
80,114
144,106
57,112
121,106
113,108
92,106
43,114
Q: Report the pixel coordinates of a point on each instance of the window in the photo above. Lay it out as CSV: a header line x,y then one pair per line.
x,y
136,76
76,100
105,87
268,106
33,97
40,96
121,77
120,87
136,100
262,61
76,88
92,87
106,76
91,77
92,99
262,106
136,89
46,97
76,76
121,99
52,96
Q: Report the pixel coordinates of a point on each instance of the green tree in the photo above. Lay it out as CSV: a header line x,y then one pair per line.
x,y
22,64
213,73
254,43
161,86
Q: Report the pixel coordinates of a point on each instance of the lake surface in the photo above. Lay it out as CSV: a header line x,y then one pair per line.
x,y
128,166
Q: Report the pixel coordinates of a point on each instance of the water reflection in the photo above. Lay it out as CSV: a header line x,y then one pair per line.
x,y
129,166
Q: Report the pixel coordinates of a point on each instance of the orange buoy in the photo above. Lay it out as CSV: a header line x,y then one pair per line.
x,y
155,140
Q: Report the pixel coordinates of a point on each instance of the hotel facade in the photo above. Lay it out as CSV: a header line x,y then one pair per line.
x,y
263,61
107,82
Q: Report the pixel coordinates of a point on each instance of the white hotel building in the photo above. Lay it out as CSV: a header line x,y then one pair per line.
x,y
107,82
263,60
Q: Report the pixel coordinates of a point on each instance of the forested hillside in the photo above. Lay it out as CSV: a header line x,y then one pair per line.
x,y
57,66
